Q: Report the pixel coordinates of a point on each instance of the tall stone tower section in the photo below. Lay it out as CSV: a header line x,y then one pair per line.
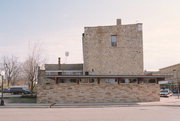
x,y
113,50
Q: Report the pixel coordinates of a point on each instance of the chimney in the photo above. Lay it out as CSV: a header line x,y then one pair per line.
x,y
59,63
118,21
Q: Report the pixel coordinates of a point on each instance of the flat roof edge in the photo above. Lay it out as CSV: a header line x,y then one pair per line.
x,y
108,76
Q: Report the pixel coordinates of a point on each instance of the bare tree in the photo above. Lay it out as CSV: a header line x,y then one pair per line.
x,y
32,65
11,67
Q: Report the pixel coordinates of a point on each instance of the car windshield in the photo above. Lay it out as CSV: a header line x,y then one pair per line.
x,y
17,88
164,91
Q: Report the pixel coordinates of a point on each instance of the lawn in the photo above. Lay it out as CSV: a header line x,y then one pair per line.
x,y
19,100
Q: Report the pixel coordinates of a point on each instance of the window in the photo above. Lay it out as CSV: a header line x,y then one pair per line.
x,y
78,73
69,73
139,27
114,40
152,81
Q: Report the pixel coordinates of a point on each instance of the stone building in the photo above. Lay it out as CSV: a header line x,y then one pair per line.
x,y
65,69
172,72
60,70
113,50
111,54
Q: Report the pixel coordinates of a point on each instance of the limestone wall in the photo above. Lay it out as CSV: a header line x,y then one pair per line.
x,y
103,59
97,93
173,71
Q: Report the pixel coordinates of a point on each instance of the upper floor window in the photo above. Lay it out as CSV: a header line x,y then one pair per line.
x,y
139,27
69,73
114,40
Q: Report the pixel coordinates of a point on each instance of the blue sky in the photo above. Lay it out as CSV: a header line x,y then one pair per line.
x,y
58,25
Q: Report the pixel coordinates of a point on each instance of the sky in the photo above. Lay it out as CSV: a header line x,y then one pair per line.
x,y
58,25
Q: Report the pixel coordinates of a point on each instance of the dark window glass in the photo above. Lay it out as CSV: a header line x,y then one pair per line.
x,y
114,40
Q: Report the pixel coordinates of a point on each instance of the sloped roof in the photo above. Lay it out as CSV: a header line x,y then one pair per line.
x,y
64,67
172,66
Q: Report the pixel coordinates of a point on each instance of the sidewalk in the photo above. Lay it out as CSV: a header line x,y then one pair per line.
x,y
171,101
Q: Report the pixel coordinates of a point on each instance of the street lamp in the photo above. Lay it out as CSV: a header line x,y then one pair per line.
x,y
2,77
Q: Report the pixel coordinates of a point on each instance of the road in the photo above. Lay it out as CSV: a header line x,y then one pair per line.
x,y
139,113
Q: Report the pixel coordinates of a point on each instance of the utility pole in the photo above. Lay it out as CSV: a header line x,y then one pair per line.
x,y
2,97
176,78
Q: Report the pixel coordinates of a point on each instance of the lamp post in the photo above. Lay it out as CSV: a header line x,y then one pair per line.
x,y
2,98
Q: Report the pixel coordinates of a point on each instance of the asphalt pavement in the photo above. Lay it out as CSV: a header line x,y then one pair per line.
x,y
164,101
130,113
167,109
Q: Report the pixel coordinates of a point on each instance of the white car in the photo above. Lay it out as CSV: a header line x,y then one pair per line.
x,y
166,93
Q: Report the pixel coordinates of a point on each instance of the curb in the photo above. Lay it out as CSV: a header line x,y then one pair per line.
x,y
83,105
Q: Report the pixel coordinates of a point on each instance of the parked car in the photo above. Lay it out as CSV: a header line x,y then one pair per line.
x,y
166,93
6,90
19,90
175,90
